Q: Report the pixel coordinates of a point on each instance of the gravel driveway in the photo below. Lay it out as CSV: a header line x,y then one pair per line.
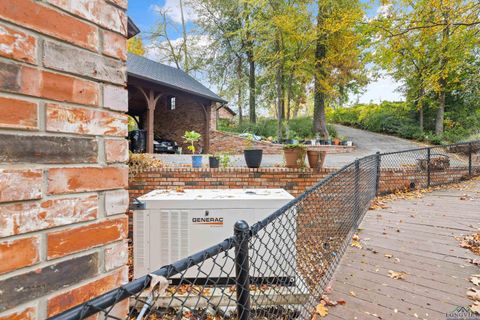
x,y
366,143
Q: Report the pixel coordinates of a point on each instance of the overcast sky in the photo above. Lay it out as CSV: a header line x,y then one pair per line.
x,y
143,14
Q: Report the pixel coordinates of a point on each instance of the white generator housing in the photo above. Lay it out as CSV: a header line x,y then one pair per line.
x,y
174,225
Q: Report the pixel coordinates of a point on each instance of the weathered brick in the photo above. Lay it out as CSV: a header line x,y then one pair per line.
x,y
35,15
116,202
85,121
29,286
47,149
116,255
44,84
115,98
20,218
19,184
59,56
18,45
29,313
16,254
68,180
73,240
120,3
18,114
86,292
114,45
97,11
116,150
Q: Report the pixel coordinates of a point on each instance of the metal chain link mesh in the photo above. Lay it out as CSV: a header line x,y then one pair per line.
x,y
278,268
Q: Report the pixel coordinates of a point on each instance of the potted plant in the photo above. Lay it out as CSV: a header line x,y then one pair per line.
x,y
253,157
337,141
213,161
224,159
294,155
192,137
316,158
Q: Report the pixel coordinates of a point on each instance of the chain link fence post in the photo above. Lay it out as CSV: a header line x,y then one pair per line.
x,y
429,155
377,183
242,269
470,154
357,192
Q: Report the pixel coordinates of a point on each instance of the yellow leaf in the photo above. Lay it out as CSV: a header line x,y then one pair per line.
x,y
322,310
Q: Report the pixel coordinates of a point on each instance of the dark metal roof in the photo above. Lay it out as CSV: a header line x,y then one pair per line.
x,y
132,28
146,69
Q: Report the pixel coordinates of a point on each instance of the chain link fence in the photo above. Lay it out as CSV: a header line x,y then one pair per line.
x,y
279,267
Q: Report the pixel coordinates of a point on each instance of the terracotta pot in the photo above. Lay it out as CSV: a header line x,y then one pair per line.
x,y
316,159
293,157
336,141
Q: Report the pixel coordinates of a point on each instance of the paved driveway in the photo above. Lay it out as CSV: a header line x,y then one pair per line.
x,y
366,142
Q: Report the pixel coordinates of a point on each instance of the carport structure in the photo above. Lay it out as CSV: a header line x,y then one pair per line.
x,y
166,102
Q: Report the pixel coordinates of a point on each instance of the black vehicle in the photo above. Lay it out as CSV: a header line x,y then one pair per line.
x,y
164,146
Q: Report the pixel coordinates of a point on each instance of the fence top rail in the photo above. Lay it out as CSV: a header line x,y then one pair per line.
x,y
430,147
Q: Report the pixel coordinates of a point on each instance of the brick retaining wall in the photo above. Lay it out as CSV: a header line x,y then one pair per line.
x,y
295,181
62,171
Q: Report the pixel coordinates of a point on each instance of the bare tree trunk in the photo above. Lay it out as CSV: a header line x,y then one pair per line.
x,y
240,91
280,92
184,32
251,88
420,109
319,118
440,112
289,96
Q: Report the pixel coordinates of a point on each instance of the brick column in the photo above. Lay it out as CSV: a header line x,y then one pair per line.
x,y
62,165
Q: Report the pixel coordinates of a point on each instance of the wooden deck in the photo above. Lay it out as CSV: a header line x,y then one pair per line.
x,y
418,234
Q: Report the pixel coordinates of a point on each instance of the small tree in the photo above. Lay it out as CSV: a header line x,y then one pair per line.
x,y
192,137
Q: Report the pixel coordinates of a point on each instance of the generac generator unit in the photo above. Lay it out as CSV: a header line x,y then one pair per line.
x,y
173,225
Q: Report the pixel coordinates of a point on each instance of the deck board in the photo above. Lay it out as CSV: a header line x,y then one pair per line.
x,y
420,235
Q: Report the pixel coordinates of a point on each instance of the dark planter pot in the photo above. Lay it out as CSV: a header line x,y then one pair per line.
x,y
253,158
214,162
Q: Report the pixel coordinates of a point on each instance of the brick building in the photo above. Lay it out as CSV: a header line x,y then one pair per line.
x,y
168,102
62,166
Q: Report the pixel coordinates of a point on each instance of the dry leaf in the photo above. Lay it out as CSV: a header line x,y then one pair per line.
x,y
356,244
473,294
475,279
397,275
388,256
321,310
475,307
353,294
326,300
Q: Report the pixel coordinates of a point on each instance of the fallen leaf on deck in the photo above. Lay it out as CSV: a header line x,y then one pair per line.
x,y
397,275
389,256
473,294
353,294
321,310
326,300
475,279
475,262
475,307
356,244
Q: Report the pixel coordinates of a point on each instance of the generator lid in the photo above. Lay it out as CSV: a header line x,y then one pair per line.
x,y
216,198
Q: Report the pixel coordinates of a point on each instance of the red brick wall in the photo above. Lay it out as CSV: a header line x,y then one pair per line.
x,y
62,166
295,181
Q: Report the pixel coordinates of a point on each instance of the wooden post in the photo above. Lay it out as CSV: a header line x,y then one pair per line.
x,y
151,100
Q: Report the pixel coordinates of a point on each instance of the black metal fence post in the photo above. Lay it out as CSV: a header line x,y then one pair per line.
x,y
242,269
377,182
470,152
429,154
357,191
